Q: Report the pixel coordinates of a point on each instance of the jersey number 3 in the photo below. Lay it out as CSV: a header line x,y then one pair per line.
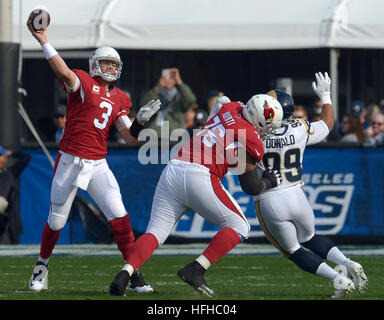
x,y
105,115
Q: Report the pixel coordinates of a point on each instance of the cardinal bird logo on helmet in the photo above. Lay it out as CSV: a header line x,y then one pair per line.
x,y
269,113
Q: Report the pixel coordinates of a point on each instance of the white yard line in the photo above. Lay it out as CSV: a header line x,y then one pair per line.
x,y
169,249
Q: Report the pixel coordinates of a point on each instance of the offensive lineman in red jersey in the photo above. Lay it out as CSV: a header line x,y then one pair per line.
x,y
94,104
191,181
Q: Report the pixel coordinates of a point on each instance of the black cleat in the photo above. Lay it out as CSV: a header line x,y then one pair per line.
x,y
193,274
119,284
137,283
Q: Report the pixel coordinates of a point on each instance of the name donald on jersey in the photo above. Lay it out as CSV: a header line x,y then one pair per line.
x,y
282,142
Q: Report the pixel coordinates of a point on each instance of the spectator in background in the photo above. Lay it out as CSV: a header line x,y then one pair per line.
x,y
381,105
352,129
10,221
372,109
375,132
359,109
300,112
176,98
211,97
314,115
200,119
60,120
315,111
189,115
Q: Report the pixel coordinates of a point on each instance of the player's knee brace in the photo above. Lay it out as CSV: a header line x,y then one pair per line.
x,y
319,245
306,260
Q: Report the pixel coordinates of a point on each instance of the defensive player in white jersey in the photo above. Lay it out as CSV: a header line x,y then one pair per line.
x,y
191,181
284,212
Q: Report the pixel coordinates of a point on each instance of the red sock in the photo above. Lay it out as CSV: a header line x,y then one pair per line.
x,y
142,250
123,235
223,242
48,241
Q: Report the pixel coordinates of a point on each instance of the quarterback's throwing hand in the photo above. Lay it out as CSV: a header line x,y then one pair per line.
x,y
146,112
322,87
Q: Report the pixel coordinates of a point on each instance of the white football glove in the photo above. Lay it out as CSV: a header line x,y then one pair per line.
x,y
146,112
217,106
3,204
322,87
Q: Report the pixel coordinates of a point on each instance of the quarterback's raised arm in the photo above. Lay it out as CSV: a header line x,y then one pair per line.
x,y
56,63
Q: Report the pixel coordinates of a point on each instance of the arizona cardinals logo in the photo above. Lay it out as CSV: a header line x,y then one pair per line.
x,y
269,113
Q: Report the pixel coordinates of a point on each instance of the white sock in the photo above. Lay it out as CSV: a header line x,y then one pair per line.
x,y
128,268
326,271
205,263
336,256
45,261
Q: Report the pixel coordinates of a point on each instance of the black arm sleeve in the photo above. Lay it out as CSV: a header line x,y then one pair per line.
x,y
252,183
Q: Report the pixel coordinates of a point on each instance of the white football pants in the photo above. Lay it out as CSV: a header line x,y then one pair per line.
x,y
287,219
94,176
185,186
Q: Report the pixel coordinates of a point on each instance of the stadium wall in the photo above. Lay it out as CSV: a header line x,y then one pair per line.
x,y
343,185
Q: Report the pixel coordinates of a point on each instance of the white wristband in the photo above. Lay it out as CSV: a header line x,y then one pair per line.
x,y
48,50
326,99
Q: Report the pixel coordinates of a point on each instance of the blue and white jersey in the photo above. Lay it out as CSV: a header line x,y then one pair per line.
x,y
284,151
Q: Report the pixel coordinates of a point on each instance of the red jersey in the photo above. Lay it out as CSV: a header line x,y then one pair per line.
x,y
91,110
217,145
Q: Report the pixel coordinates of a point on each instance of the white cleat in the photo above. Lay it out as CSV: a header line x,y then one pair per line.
x,y
343,285
39,278
355,270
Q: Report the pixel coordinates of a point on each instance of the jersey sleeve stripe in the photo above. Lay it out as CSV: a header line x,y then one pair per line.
x,y
307,126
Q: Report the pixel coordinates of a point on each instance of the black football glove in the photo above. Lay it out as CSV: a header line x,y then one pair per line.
x,y
272,177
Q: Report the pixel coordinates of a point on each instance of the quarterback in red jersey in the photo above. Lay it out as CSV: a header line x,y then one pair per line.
x,y
191,181
94,104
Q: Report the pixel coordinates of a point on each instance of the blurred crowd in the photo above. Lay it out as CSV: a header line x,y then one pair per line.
x,y
180,108
360,124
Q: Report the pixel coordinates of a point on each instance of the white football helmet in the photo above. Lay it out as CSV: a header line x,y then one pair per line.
x,y
104,53
265,113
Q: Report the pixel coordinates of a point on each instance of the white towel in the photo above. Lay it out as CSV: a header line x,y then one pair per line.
x,y
85,174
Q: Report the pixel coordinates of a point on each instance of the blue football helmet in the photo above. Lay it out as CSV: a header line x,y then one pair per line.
x,y
286,102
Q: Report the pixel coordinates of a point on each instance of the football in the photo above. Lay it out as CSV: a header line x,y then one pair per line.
x,y
39,19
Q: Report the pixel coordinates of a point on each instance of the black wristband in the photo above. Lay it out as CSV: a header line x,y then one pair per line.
x,y
135,129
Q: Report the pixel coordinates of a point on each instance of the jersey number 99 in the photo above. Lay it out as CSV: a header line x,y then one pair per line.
x,y
292,165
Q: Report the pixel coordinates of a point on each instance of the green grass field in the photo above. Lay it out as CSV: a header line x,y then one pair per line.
x,y
232,278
